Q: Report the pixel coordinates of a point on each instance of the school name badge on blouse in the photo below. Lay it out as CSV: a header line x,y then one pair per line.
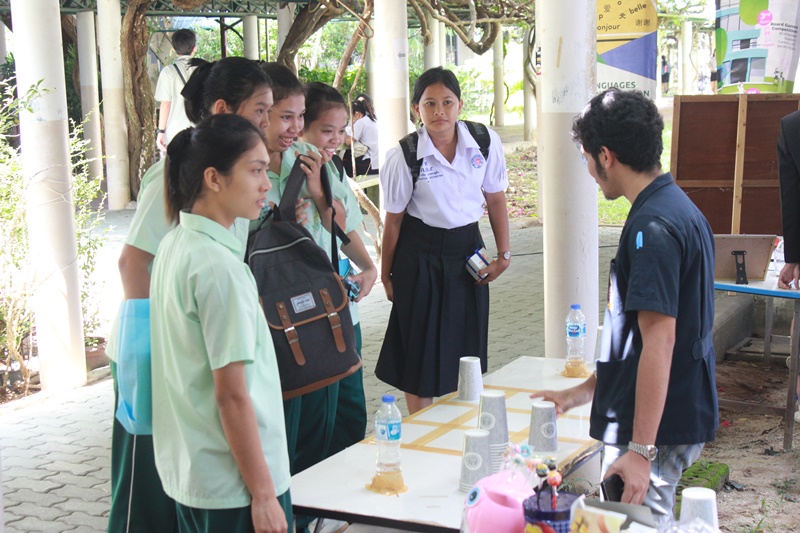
x,y
476,262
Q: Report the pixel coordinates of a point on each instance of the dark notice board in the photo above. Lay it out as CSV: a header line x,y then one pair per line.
x,y
724,157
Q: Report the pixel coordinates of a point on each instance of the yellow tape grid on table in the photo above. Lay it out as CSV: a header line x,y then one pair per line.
x,y
460,423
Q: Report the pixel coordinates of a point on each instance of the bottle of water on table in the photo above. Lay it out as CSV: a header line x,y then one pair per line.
x,y
576,335
388,433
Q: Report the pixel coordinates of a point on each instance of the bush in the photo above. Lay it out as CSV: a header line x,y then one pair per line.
x,y
16,273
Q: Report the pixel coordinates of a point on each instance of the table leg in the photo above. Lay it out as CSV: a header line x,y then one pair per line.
x,y
791,393
769,314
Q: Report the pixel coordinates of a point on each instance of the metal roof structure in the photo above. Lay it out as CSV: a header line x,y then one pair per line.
x,y
211,8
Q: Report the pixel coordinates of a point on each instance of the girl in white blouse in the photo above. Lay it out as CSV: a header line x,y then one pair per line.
x,y
439,313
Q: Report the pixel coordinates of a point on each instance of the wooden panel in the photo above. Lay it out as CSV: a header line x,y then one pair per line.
x,y
761,211
704,157
715,203
713,128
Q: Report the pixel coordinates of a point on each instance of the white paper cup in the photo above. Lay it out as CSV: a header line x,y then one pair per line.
x,y
475,458
470,380
543,435
492,416
699,502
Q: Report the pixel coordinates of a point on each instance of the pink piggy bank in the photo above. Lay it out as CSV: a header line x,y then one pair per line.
x,y
495,504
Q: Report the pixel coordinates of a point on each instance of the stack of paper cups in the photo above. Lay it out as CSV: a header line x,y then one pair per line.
x,y
543,435
470,381
492,417
475,459
699,502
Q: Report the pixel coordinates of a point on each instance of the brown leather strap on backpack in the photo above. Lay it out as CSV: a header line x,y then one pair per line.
x,y
291,334
333,318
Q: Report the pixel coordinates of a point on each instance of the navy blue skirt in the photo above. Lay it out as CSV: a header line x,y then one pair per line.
x,y
439,314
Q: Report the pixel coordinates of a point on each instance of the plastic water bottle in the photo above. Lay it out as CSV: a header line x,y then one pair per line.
x,y
576,335
388,433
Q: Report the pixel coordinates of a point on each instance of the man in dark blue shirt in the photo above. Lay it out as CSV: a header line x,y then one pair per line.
x,y
654,392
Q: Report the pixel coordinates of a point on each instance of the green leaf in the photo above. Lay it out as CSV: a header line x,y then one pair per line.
x,y
722,45
749,10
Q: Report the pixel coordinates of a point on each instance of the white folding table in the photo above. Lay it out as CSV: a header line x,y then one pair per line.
x,y
431,456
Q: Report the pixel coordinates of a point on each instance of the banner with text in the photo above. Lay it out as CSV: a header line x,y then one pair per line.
x,y
757,45
627,45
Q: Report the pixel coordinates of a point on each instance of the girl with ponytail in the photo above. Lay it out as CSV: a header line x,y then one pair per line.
x,y
232,85
218,429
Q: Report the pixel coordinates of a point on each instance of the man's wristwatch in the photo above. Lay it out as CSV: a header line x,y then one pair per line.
x,y
506,255
648,451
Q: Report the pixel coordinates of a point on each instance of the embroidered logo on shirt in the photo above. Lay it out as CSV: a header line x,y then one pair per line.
x,y
477,160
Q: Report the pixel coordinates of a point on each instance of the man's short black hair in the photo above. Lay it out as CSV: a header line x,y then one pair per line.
x,y
627,123
183,42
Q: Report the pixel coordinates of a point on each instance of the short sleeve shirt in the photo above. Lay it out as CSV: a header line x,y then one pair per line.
x,y
168,89
149,226
447,195
365,131
205,315
664,264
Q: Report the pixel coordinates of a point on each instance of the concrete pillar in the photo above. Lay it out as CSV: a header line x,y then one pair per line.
x,y
391,61
432,55
3,52
109,26
266,40
442,45
529,101
568,36
499,88
285,19
90,100
370,69
686,71
50,212
250,29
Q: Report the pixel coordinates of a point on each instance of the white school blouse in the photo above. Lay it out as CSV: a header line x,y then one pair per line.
x,y
446,195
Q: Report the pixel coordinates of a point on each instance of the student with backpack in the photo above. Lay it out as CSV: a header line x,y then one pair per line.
x,y
231,85
325,123
171,81
433,203
310,418
218,430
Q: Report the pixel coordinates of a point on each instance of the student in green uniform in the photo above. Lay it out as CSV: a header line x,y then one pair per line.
x,y
310,418
231,85
218,430
325,128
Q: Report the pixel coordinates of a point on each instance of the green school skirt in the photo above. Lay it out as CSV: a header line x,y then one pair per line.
x,y
239,520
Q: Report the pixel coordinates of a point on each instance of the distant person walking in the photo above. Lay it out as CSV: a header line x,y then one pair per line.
x,y
364,140
171,112
664,75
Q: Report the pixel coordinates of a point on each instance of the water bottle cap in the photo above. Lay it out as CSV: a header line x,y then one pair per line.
x,y
388,398
575,306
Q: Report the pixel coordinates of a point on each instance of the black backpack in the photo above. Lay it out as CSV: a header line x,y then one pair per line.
x,y
304,301
408,144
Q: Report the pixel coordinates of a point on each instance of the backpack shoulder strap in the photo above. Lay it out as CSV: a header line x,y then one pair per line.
x,y
409,146
339,164
286,209
180,73
480,133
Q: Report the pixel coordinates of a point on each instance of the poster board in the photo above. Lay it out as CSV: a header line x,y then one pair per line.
x,y
724,156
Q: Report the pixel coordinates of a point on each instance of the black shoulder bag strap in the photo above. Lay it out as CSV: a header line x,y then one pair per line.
x,y
183,78
480,133
409,146
286,210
